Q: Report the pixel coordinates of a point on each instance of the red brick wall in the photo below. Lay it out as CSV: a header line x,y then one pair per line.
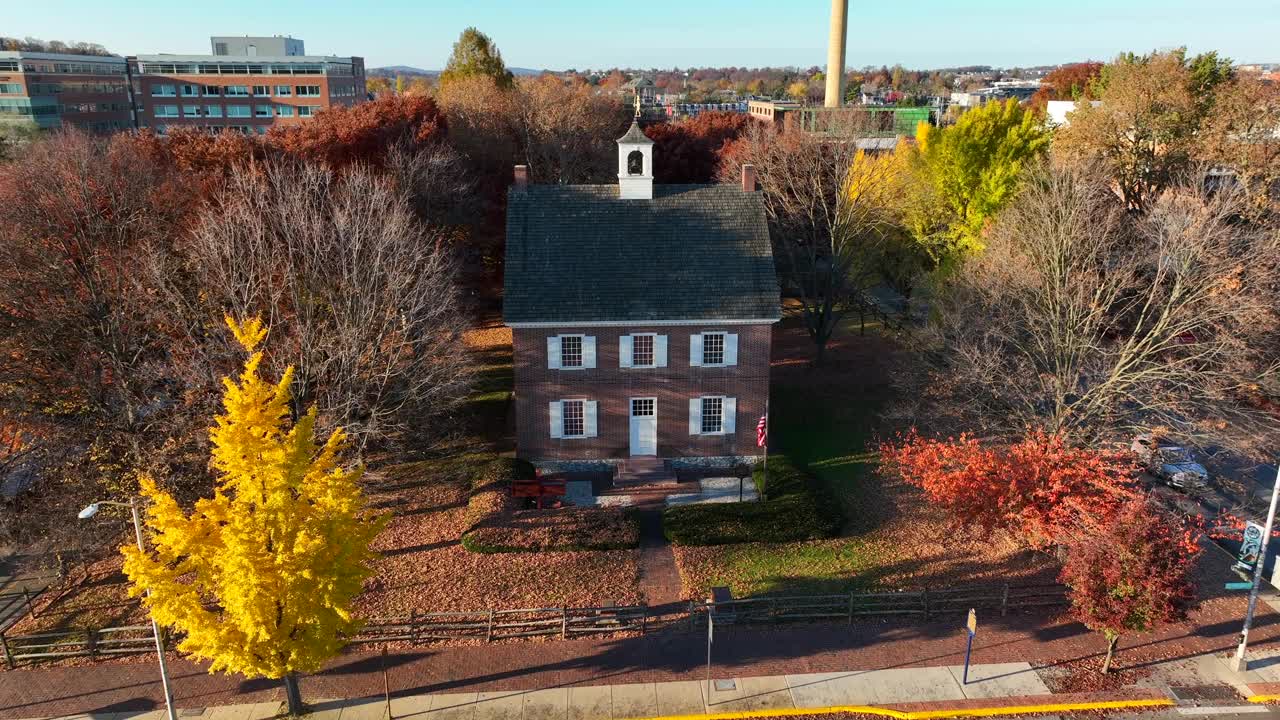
x,y
613,387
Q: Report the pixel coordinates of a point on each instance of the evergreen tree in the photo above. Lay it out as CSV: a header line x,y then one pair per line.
x,y
475,54
261,576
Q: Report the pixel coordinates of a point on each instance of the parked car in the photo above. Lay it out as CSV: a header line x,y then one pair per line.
x,y
1170,463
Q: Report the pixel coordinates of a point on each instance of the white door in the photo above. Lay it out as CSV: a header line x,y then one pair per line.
x,y
644,426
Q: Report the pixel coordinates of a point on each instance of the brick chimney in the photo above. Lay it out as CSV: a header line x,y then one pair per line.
x,y
748,178
522,178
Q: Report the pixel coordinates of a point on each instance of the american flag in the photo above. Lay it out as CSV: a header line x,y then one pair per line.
x,y
762,431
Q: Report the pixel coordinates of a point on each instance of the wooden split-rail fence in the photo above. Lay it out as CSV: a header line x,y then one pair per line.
x,y
924,604
565,622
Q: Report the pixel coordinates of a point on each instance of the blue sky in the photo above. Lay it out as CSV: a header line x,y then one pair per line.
x,y
559,34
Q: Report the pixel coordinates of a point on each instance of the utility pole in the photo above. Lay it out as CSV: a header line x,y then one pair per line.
x,y
1242,663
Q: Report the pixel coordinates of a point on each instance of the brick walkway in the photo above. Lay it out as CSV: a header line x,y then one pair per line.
x,y
659,576
663,656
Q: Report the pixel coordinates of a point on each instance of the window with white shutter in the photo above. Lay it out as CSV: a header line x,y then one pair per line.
x,y
713,349
713,415
574,418
571,352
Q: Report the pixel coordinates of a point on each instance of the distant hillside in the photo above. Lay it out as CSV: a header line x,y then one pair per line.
x,y
409,70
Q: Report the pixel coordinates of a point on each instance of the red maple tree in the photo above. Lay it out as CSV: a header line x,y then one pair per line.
x,y
690,150
365,132
1131,573
1036,487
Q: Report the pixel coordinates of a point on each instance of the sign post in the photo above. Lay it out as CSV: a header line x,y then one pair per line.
x,y
971,626
710,632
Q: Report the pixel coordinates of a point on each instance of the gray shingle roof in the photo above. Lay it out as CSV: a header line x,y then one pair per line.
x,y
635,135
576,253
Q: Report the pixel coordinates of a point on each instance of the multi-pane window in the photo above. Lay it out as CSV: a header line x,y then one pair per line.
x,y
262,111
190,91
190,111
166,111
308,90
284,110
10,89
573,418
164,91
239,111
712,415
642,350
643,407
213,111
237,91
212,91
261,90
571,351
284,90
308,110
713,348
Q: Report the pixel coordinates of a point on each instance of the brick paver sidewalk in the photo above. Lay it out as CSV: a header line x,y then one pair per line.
x,y
658,657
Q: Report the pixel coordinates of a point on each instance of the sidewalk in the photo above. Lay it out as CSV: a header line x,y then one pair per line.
x,y
1004,685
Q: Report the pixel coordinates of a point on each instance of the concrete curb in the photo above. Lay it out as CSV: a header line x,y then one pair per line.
x,y
986,710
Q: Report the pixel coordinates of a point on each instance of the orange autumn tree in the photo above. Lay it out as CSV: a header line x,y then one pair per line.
x,y
1128,567
1131,573
1035,487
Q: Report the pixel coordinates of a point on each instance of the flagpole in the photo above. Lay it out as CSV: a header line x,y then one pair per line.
x,y
767,431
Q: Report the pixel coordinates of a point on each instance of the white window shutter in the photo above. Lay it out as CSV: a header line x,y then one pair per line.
x,y
624,351
553,352
695,350
730,423
557,423
695,416
588,351
660,350
589,418
731,348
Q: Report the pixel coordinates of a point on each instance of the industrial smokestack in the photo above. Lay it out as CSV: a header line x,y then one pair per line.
x,y
835,53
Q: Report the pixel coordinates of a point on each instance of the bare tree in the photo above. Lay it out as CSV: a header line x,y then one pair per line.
x,y
833,220
1086,320
360,295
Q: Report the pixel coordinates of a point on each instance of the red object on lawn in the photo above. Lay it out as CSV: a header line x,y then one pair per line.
x,y
762,431
539,488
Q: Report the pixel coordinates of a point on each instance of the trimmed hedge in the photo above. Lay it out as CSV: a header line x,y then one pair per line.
x,y
795,505
498,522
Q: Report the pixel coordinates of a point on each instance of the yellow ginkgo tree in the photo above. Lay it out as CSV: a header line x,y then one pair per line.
x,y
259,579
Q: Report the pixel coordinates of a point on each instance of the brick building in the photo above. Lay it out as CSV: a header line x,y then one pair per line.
x,y
53,90
249,92
641,317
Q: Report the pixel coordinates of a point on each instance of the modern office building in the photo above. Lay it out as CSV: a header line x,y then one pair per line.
x,y
53,90
244,92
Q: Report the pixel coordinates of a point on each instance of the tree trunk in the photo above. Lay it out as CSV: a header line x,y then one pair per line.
x,y
293,695
1112,641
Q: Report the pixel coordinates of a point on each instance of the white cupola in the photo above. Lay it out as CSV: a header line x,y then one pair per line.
x,y
635,163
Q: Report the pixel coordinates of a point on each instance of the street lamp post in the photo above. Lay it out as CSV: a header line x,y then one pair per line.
x,y
89,512
1241,662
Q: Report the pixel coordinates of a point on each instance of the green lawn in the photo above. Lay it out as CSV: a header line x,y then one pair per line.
x,y
822,418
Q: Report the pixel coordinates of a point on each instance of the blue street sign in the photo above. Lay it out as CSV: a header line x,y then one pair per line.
x,y
1239,586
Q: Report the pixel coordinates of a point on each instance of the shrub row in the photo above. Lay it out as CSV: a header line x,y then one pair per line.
x,y
794,506
498,522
